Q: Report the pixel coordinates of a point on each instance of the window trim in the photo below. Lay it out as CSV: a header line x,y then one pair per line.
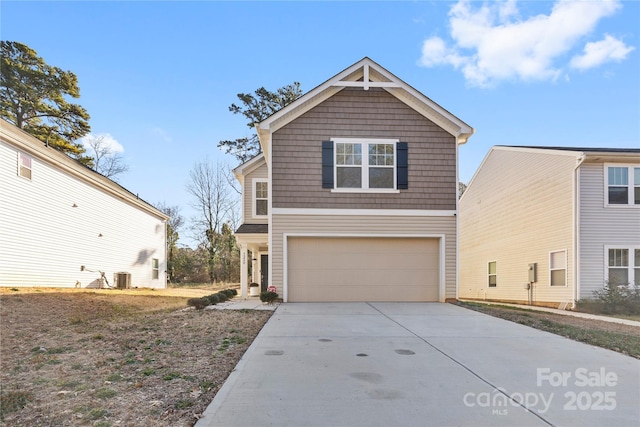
x,y
494,274
365,142
631,185
254,204
566,270
630,268
20,156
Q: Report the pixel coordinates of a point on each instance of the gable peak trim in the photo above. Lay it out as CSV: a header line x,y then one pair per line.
x,y
365,74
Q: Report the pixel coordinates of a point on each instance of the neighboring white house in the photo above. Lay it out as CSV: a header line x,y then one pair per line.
x,y
571,214
63,225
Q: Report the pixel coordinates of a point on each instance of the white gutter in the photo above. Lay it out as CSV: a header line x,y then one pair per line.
x,y
576,229
457,218
32,146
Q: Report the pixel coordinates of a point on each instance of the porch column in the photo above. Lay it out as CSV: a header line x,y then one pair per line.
x,y
244,270
254,254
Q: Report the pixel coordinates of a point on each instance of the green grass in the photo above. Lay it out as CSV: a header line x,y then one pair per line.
x,y
65,384
54,350
148,372
96,413
113,377
228,342
190,285
634,317
106,393
622,343
206,385
13,400
183,404
171,376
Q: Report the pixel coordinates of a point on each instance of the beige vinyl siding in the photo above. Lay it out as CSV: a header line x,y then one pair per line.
x,y
364,225
247,205
517,209
353,112
600,226
44,240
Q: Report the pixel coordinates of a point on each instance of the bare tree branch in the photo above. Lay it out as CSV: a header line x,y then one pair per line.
x,y
232,181
106,161
215,205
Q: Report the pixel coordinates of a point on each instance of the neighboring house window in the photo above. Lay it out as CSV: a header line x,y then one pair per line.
x,y
155,271
636,267
24,166
636,186
558,268
623,266
623,185
260,198
376,165
492,273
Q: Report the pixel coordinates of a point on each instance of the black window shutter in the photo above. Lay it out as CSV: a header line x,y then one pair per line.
x,y
402,165
327,164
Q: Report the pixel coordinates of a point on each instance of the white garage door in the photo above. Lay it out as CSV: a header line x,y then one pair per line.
x,y
362,269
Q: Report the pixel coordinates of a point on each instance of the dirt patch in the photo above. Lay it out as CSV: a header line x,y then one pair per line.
x,y
107,358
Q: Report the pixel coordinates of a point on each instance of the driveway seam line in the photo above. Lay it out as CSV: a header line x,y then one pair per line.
x,y
499,389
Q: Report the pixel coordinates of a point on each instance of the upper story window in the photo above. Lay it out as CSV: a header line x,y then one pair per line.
x,y
558,268
362,164
260,198
24,166
623,185
373,169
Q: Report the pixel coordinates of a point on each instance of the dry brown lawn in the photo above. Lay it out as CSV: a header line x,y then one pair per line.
x,y
624,339
115,357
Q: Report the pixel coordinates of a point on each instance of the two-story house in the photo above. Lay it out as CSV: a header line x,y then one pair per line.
x,y
65,225
354,196
550,225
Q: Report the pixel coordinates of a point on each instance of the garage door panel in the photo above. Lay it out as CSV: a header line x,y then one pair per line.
x,y
363,269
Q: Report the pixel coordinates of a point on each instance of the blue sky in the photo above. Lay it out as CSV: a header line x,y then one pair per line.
x,y
158,76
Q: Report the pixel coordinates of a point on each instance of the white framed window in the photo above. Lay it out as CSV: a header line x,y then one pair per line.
x,y
558,268
622,185
260,198
492,274
24,166
622,265
365,164
636,266
155,268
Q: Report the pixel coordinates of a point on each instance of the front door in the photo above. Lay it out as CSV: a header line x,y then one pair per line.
x,y
264,272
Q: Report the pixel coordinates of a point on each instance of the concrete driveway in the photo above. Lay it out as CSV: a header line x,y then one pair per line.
x,y
420,364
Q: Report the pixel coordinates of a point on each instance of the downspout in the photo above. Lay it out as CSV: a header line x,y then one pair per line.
x,y
265,138
457,222
166,254
461,138
270,223
576,229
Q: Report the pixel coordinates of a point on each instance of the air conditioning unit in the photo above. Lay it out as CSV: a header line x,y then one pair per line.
x,y
123,280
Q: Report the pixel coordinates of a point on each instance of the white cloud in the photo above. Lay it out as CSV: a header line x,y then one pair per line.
x,y
493,43
597,53
106,140
435,52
